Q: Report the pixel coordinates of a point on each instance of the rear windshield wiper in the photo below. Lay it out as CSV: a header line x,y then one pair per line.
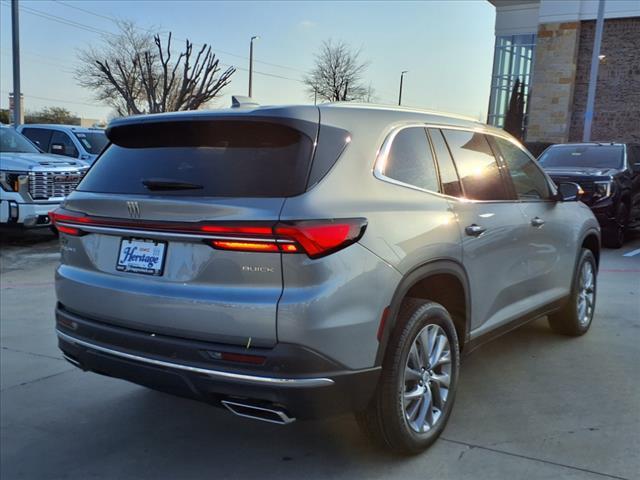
x,y
154,184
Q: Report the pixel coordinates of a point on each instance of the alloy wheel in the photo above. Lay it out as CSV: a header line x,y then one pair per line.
x,y
586,293
427,377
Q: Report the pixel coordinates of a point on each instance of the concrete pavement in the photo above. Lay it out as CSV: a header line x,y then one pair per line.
x,y
530,405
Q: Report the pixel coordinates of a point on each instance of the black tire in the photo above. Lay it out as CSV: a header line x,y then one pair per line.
x,y
384,420
613,237
567,320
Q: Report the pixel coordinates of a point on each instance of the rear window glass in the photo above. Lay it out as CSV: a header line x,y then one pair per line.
x,y
233,158
93,142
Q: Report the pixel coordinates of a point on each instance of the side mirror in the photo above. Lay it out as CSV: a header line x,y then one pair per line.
x,y
58,149
569,192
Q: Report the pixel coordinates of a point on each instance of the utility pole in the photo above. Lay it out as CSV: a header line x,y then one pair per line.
x,y
15,35
593,75
400,94
251,63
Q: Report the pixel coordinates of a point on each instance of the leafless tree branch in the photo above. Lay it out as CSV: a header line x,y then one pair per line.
x,y
144,77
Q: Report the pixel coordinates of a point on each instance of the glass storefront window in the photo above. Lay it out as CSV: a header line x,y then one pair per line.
x,y
513,60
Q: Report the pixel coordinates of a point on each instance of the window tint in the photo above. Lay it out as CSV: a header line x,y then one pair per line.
x,y
13,142
591,155
93,142
217,158
529,181
61,144
410,160
477,167
39,136
633,155
448,174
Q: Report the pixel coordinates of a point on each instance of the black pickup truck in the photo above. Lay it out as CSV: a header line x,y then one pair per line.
x,y
609,174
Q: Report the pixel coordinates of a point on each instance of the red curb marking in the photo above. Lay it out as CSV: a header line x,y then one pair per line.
x,y
620,270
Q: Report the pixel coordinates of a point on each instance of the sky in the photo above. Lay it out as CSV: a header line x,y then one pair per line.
x,y
446,46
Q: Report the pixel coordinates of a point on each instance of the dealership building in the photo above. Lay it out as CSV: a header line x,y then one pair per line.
x,y
547,45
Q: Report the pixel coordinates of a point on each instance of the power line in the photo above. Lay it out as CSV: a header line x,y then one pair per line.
x,y
89,28
38,61
115,20
61,20
53,99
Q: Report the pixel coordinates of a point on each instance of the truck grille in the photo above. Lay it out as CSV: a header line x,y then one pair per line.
x,y
46,185
587,185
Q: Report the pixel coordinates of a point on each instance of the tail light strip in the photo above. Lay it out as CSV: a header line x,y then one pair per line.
x,y
316,238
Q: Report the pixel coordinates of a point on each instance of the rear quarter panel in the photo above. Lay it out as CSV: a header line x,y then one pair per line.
x,y
335,304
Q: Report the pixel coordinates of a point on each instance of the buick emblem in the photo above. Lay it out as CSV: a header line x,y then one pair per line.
x,y
134,209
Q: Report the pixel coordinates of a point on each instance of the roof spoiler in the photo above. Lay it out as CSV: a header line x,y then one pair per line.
x,y
238,101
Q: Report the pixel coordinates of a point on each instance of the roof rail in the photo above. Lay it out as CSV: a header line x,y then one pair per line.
x,y
239,101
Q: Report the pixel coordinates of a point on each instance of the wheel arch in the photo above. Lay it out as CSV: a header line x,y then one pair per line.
x,y
439,281
591,241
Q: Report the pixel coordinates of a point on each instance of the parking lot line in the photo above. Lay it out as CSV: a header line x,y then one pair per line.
x,y
632,253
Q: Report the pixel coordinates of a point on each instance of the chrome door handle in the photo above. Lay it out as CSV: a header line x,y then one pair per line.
x,y
474,230
537,222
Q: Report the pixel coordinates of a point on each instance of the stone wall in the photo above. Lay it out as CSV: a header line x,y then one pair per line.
x,y
617,105
554,70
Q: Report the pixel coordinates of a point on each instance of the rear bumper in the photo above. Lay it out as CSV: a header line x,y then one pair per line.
x,y
295,379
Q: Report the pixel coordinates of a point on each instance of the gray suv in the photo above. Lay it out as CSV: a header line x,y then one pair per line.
x,y
297,262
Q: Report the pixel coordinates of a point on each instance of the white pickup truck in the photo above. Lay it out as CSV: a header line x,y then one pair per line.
x,y
32,183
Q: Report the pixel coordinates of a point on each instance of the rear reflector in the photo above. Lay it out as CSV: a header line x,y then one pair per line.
x,y
383,323
316,238
238,357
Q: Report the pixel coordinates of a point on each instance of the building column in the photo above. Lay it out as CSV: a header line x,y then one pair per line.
x,y
554,73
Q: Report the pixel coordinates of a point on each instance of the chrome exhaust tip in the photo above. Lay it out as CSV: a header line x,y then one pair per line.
x,y
270,415
72,361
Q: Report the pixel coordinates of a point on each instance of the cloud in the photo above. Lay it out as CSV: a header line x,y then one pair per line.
x,y
306,24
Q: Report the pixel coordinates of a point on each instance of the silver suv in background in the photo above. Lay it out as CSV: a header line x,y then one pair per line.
x,y
68,140
297,262
32,183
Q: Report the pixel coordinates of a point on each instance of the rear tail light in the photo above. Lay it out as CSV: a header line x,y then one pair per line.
x,y
316,238
60,215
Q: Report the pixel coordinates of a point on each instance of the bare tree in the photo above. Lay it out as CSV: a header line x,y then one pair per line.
x,y
134,73
337,75
123,49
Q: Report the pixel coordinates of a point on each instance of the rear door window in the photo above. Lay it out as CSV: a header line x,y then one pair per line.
x,y
204,158
410,160
61,144
39,136
528,180
448,175
476,165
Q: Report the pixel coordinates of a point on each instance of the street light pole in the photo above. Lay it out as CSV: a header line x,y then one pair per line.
x,y
15,36
400,94
593,75
251,63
